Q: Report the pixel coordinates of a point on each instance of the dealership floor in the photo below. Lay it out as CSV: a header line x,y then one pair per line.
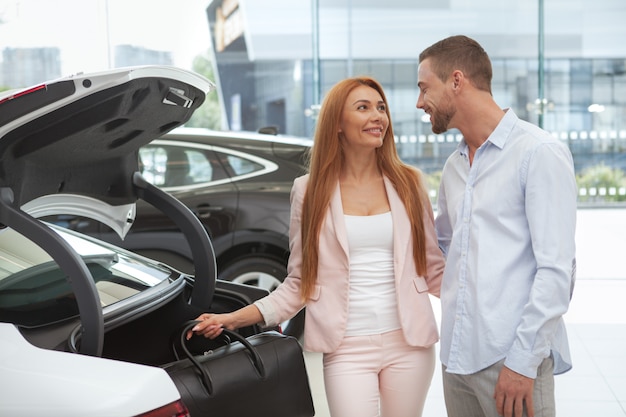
x,y
596,324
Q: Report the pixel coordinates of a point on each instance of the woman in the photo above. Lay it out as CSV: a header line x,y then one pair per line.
x,y
364,257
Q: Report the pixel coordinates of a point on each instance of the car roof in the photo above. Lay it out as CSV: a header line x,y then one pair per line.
x,y
291,149
81,134
190,132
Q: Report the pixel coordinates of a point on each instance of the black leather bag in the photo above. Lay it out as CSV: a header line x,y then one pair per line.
x,y
261,375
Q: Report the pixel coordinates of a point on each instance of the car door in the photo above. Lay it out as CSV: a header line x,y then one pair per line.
x,y
196,177
193,174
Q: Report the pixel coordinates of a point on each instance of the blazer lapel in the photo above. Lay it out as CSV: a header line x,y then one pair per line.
x,y
339,222
401,225
401,229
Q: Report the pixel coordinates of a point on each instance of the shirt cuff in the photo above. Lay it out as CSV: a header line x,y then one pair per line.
x,y
523,363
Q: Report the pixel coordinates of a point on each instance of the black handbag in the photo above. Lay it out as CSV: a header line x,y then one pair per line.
x,y
261,375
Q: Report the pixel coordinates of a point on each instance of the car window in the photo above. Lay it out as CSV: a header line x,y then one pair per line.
x,y
34,291
242,166
174,166
152,164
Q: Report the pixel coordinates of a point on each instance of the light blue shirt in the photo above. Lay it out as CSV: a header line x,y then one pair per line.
x,y
506,225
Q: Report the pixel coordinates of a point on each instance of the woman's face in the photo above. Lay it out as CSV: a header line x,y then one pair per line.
x,y
364,118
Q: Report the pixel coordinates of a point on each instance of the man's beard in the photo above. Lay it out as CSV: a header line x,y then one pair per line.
x,y
440,119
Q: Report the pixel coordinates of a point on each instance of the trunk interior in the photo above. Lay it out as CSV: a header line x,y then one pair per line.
x,y
149,339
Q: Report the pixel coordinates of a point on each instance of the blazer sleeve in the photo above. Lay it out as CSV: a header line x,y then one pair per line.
x,y
285,302
435,260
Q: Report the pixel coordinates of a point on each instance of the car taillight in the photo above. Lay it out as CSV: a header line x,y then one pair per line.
x,y
23,93
26,101
175,409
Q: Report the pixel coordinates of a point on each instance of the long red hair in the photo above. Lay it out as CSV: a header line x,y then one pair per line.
x,y
326,160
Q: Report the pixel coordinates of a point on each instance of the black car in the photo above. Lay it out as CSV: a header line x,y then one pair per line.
x,y
238,185
70,148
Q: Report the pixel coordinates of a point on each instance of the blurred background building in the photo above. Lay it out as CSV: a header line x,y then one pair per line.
x,y
558,64
275,61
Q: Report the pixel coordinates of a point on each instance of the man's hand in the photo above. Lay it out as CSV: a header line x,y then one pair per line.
x,y
512,390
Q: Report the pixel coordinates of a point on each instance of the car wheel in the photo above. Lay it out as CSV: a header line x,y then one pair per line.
x,y
266,273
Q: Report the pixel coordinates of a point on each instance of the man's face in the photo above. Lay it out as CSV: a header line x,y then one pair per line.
x,y
435,98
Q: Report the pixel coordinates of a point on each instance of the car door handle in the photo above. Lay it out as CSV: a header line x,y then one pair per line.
x,y
205,211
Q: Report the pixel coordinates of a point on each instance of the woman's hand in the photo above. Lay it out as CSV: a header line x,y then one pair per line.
x,y
211,325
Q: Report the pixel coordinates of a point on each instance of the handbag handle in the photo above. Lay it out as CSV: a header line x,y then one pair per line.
x,y
206,378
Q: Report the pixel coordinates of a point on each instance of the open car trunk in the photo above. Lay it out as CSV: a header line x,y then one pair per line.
x,y
148,340
70,146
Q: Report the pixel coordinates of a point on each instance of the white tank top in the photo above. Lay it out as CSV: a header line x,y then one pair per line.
x,y
372,307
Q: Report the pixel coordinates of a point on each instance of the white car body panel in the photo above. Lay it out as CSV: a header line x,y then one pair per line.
x,y
107,79
119,218
36,381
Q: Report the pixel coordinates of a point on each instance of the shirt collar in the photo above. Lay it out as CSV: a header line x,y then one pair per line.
x,y
499,135
502,132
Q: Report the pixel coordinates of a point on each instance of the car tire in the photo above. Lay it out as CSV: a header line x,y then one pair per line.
x,y
266,273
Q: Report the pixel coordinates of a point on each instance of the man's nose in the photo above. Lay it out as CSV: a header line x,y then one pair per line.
x,y
420,102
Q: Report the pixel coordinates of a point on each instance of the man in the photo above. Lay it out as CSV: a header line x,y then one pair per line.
x,y
506,223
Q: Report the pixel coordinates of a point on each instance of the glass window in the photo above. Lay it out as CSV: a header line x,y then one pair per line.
x,y
152,162
34,291
619,94
405,75
200,169
174,166
242,166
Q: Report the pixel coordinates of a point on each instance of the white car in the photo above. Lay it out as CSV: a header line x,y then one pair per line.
x,y
84,325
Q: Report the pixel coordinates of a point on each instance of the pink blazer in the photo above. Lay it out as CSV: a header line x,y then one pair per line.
x,y
327,309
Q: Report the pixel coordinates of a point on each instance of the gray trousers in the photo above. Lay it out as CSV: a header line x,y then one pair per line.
x,y
472,395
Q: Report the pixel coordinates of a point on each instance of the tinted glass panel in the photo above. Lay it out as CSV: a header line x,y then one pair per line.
x,y
175,166
34,291
242,166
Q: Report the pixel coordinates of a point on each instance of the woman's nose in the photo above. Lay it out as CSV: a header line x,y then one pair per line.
x,y
378,115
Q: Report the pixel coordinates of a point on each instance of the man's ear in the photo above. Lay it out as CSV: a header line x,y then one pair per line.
x,y
456,79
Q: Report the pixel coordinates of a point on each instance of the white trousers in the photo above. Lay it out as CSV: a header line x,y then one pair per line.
x,y
378,375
